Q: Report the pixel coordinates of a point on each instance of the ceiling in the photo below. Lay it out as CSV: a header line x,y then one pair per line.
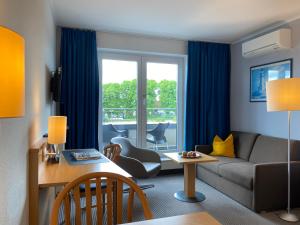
x,y
210,20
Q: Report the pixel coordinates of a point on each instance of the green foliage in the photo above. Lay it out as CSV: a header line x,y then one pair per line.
x,y
152,91
167,94
123,98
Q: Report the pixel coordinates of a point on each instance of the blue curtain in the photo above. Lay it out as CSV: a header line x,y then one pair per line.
x,y
80,87
207,107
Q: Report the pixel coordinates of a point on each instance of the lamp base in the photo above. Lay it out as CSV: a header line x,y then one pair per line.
x,y
290,217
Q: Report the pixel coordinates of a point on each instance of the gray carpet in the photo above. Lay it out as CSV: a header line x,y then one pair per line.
x,y
163,204
224,209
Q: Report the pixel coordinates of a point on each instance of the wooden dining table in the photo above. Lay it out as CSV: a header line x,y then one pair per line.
x,y
44,176
199,218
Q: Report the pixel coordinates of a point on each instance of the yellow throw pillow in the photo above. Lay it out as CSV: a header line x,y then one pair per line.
x,y
223,148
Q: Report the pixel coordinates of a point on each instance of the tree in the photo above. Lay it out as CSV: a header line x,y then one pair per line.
x,y
111,95
120,99
168,93
152,93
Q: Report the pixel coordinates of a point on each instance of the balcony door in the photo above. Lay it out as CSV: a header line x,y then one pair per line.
x,y
142,99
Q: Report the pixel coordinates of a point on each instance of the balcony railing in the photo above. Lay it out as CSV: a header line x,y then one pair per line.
x,y
129,114
125,119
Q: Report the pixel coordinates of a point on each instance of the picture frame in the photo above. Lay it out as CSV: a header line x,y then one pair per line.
x,y
260,74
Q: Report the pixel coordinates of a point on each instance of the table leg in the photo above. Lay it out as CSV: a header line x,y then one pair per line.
x,y
189,194
189,180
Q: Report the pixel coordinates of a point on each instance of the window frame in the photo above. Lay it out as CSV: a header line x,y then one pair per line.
x,y
142,58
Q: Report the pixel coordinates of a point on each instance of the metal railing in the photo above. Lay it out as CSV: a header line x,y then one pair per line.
x,y
130,114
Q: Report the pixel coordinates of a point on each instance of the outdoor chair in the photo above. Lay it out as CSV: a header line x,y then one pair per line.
x,y
158,135
109,132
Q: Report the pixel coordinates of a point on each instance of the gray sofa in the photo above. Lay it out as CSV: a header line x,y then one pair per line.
x,y
257,177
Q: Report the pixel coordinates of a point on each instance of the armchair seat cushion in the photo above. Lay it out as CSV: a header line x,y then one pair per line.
x,y
214,166
241,173
151,167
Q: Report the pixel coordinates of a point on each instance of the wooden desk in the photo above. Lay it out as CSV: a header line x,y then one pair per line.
x,y
189,194
199,218
43,175
62,173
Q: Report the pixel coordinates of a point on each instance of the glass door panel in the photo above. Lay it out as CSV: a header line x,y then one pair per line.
x,y
161,106
119,99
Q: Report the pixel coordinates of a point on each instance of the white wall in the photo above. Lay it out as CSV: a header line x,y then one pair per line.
x,y
246,116
141,43
33,20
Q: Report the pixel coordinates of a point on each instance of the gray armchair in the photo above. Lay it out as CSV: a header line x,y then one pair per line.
x,y
140,163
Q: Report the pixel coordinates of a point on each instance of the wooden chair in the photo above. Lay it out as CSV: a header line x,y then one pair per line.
x,y
114,184
112,152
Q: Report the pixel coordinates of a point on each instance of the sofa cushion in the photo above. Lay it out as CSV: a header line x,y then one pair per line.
x,y
223,147
272,149
243,143
240,173
214,166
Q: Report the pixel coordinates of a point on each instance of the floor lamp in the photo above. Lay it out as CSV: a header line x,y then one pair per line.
x,y
284,95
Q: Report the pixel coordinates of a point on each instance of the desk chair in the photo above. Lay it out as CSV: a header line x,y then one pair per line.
x,y
112,152
72,189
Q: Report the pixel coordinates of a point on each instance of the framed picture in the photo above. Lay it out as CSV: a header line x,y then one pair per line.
x,y
260,74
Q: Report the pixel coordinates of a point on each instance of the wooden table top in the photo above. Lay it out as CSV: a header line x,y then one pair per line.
x,y
199,218
62,173
203,159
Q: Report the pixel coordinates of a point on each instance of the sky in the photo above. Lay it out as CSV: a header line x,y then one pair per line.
x,y
116,71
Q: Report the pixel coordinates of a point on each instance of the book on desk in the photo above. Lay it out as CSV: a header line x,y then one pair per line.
x,y
88,155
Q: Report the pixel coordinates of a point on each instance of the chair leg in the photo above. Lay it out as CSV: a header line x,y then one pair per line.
x,y
146,186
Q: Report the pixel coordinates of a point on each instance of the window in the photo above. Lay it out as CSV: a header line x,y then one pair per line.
x,y
142,99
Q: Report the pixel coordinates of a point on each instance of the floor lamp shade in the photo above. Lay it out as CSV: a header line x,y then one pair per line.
x,y
12,74
283,95
57,129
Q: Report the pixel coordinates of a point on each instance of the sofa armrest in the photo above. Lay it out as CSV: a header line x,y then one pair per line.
x,y
133,166
206,149
270,186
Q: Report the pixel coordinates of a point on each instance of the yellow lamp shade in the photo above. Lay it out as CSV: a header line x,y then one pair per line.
x,y
57,129
12,74
283,94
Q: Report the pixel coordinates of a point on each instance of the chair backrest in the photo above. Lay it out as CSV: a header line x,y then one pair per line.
x,y
113,182
125,145
159,131
112,151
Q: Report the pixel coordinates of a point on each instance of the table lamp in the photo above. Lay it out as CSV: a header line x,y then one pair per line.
x,y
12,74
57,129
284,95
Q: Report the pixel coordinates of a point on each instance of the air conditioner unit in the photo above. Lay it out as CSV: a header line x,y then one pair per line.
x,y
274,41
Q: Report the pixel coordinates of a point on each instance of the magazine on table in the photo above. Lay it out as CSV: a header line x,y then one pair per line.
x,y
88,155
